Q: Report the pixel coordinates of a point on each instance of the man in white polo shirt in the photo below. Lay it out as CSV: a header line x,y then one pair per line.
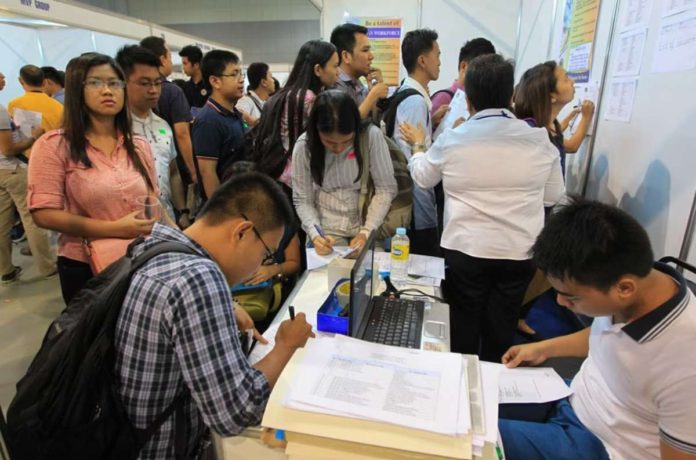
x,y
633,398
144,86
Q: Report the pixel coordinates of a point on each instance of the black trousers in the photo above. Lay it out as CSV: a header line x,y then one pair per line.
x,y
73,276
485,296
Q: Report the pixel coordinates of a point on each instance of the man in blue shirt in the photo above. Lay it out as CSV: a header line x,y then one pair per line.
x,y
218,132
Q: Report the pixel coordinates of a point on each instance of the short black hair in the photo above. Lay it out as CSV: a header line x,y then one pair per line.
x,y
256,72
253,194
192,53
343,37
593,244
31,75
490,81
416,42
53,74
155,44
130,55
214,63
474,48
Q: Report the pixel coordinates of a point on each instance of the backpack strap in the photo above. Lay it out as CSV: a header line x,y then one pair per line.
x,y
364,200
389,116
178,403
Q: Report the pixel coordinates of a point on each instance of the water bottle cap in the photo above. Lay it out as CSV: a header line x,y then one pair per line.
x,y
401,231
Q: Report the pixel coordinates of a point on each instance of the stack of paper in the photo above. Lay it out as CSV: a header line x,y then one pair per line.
x,y
354,392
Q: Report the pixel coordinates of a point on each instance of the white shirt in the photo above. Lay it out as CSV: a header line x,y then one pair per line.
x,y
416,111
249,104
498,173
161,139
637,385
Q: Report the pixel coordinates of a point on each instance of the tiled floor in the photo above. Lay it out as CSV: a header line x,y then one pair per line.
x,y
27,307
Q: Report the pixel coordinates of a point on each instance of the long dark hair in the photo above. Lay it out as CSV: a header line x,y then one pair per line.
x,y
76,120
533,98
333,111
268,152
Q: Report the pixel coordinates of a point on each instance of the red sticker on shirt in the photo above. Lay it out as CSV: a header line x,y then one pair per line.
x,y
351,155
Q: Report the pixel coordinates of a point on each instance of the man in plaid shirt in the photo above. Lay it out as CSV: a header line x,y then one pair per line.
x,y
176,331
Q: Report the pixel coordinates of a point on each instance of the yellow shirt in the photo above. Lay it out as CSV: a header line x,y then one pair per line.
x,y
51,110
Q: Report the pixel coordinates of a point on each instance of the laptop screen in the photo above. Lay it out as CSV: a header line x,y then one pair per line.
x,y
361,288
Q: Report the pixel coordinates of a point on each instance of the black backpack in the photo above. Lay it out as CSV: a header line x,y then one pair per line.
x,y
388,107
66,406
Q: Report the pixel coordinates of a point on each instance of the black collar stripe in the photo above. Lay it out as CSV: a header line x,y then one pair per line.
x,y
657,330
678,444
648,326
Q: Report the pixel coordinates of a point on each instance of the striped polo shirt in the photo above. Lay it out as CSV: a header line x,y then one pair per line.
x,y
636,388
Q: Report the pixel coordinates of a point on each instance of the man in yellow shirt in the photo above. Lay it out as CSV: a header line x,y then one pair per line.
x,y
35,100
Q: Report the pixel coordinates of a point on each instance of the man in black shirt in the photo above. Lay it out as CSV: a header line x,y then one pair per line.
x,y
194,89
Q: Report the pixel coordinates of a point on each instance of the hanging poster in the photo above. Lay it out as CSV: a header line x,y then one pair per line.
x,y
577,38
385,38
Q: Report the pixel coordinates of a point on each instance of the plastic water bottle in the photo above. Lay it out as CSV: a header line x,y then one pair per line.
x,y
400,250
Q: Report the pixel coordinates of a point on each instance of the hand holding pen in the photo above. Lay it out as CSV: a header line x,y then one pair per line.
x,y
293,333
323,243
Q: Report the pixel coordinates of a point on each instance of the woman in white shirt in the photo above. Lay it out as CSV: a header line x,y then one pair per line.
x,y
327,167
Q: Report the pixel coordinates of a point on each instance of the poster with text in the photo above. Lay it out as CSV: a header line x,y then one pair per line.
x,y
385,39
577,37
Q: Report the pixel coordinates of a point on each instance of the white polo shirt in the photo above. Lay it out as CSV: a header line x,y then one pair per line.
x,y
638,383
497,173
161,139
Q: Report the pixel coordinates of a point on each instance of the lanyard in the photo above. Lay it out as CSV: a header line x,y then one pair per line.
x,y
502,115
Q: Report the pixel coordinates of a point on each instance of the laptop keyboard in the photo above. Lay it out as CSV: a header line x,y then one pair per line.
x,y
396,322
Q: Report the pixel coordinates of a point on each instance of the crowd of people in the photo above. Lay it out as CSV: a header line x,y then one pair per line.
x,y
248,178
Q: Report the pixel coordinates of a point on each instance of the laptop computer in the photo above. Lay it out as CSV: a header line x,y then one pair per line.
x,y
401,322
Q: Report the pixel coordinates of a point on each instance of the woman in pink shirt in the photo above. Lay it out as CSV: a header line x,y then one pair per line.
x,y
84,180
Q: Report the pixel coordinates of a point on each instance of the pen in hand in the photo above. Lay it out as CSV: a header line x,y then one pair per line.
x,y
292,312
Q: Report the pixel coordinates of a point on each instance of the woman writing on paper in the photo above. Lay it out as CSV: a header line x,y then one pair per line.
x,y
327,167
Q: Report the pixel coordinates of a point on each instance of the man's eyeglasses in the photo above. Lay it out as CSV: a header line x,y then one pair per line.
x,y
238,74
98,83
270,255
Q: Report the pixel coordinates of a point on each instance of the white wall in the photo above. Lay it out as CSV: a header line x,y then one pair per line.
x,y
456,21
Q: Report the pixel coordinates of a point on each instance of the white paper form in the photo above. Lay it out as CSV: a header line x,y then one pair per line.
x,y
314,260
405,387
621,95
433,267
457,109
636,13
26,120
589,91
676,44
490,379
629,55
537,385
670,7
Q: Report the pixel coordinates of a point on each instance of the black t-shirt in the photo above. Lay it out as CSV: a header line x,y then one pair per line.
x,y
196,93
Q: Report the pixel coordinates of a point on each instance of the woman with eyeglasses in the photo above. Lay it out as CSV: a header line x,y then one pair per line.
x,y
87,179
327,168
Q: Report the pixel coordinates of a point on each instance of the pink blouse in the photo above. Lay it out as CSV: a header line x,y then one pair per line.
x,y
105,191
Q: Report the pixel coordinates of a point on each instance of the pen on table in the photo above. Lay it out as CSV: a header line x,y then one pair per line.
x,y
250,340
292,312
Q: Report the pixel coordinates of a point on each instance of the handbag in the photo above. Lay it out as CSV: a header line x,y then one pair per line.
x,y
103,252
260,300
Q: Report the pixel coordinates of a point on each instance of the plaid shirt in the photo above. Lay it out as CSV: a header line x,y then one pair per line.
x,y
177,330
